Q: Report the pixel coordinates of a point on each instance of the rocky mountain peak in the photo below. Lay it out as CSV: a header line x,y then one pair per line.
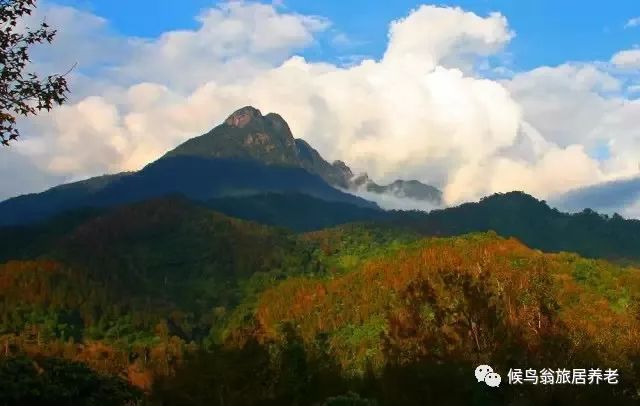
x,y
343,169
277,122
242,117
411,189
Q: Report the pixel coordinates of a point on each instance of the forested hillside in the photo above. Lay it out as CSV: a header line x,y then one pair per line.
x,y
194,307
532,221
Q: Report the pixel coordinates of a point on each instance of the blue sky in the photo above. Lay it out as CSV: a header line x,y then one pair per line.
x,y
548,32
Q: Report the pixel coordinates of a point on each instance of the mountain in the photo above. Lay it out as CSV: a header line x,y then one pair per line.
x,y
248,135
533,222
39,206
297,212
337,173
248,154
158,254
193,177
411,189
129,290
513,214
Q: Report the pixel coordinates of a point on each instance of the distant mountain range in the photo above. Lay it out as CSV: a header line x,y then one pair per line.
x,y
513,214
404,189
248,154
251,167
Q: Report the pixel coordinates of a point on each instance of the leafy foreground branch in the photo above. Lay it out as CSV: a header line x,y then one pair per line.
x,y
23,93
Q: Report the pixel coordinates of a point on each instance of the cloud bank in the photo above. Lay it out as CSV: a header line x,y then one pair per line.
x,y
425,110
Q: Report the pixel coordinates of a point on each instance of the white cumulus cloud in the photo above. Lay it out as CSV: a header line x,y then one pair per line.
x,y
627,59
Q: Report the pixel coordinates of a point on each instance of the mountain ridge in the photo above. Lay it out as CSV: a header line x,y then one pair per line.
x,y
196,178
267,138
247,134
247,154
412,189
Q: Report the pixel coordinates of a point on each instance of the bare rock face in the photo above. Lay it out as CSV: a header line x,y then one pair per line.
x,y
343,169
242,117
278,123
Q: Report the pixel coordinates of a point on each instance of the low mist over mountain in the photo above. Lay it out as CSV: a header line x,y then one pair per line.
x,y
411,189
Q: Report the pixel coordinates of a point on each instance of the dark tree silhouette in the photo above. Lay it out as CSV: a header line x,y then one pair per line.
x,y
23,93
